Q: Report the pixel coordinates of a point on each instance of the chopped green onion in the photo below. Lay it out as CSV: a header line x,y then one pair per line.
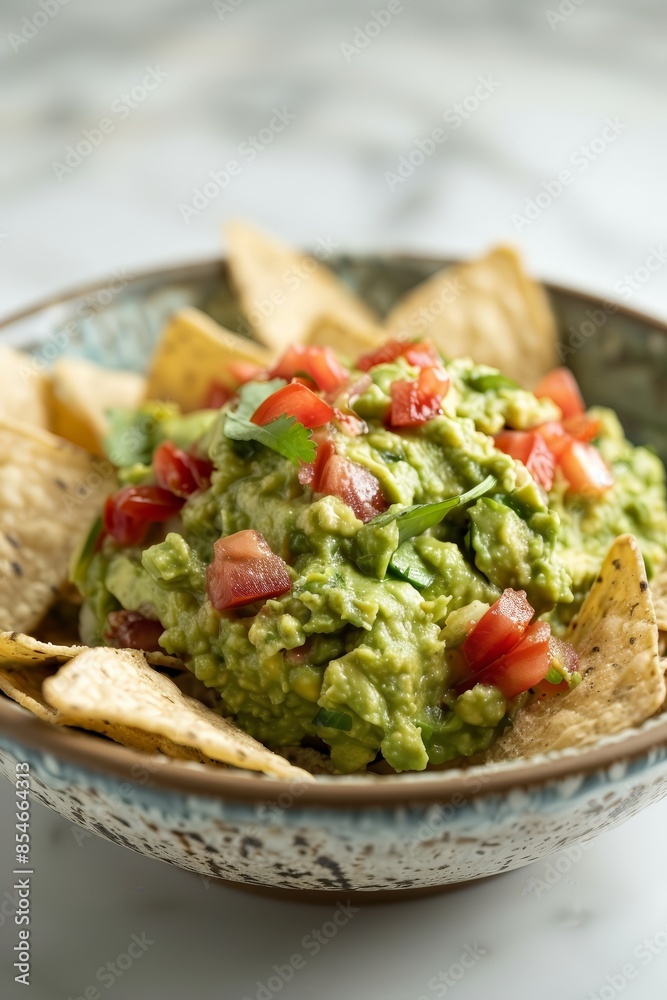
x,y
328,719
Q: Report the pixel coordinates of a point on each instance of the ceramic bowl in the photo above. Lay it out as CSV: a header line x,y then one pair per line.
x,y
372,837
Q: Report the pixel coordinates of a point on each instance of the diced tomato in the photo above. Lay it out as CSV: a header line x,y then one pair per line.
x,y
217,395
583,427
245,371
244,570
294,400
311,473
526,664
180,472
355,485
415,402
585,469
499,629
420,353
126,530
132,630
561,386
320,363
555,436
531,449
129,512
335,475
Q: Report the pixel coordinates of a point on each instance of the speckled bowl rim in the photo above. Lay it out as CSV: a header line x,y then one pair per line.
x,y
91,751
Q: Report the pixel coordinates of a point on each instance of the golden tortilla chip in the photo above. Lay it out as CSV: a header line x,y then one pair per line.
x,y
49,493
24,389
345,338
21,650
195,351
119,687
283,292
489,310
616,637
81,394
25,688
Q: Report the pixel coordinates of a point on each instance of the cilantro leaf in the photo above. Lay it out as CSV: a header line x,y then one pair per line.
x,y
285,435
416,519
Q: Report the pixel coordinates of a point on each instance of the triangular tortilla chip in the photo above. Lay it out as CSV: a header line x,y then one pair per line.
x,y
24,389
25,688
489,310
82,392
283,292
19,650
49,493
616,637
347,339
194,351
118,686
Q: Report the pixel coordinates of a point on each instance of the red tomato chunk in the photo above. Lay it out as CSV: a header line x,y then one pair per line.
x,y
294,400
244,570
132,630
319,363
180,472
499,629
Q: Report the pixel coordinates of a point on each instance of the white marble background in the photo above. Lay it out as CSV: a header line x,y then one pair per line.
x,y
556,79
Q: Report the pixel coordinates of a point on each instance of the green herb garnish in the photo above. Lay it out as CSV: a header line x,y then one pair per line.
x,y
285,435
416,519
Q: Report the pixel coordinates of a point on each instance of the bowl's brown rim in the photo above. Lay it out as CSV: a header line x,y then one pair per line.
x,y
90,751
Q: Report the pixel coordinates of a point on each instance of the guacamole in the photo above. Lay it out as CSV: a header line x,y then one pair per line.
x,y
367,584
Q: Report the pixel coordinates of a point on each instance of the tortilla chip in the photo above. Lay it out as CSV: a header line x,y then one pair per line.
x,y
193,352
21,650
119,687
488,309
616,637
25,688
82,392
283,292
659,595
49,493
24,389
345,338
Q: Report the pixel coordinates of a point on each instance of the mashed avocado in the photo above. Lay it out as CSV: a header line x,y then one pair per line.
x,y
355,653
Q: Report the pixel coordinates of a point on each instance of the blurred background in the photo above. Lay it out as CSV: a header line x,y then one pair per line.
x,y
130,130
522,91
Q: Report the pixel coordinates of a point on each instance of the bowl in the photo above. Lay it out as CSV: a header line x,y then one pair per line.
x,y
371,837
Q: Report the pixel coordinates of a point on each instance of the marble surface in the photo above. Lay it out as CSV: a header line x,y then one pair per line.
x,y
545,88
